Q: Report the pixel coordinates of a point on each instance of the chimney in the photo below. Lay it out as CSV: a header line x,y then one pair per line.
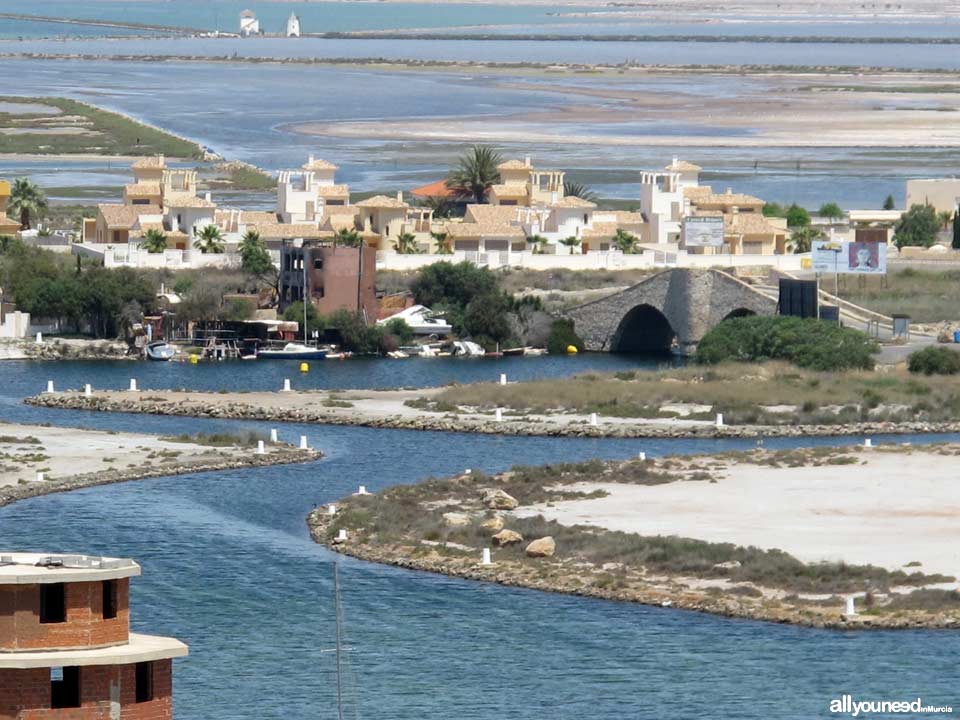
x,y
553,198
676,161
208,197
310,159
729,191
161,160
399,195
526,161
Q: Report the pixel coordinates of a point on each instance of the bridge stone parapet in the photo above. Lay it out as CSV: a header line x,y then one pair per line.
x,y
674,308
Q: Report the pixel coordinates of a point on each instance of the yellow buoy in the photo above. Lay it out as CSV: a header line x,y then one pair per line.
x,y
304,367
194,359
572,349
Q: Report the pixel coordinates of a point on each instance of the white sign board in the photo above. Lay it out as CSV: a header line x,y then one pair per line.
x,y
849,258
703,231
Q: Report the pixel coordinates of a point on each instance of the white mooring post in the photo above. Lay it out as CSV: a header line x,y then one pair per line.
x,y
851,608
331,509
133,385
499,415
594,420
362,490
87,390
286,385
719,420
273,435
39,338
303,443
342,535
503,378
868,443
261,450
50,386
39,477
486,556
641,456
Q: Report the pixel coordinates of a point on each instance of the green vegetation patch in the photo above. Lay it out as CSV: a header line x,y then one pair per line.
x,y
770,393
247,439
927,296
69,127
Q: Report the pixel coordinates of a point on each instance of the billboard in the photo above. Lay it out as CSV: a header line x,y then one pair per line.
x,y
849,258
703,231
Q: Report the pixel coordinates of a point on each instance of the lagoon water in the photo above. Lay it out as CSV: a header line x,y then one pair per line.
x,y
229,568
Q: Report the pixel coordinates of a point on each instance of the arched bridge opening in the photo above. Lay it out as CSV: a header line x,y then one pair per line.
x,y
643,330
739,313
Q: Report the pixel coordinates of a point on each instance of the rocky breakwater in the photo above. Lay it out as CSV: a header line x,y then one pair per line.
x,y
277,408
478,542
58,349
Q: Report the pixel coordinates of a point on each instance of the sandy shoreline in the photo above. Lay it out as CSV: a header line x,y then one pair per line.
x,y
70,459
848,508
388,409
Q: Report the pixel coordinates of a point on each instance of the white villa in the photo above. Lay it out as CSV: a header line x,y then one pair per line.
x,y
249,25
293,26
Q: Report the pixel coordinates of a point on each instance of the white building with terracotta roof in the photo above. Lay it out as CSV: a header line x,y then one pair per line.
x,y
303,195
249,25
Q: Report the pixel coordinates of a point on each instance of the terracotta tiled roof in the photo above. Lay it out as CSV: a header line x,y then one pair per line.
x,y
727,199
155,162
625,217
682,166
435,189
290,230
601,230
142,189
250,217
485,230
382,201
8,226
509,190
124,217
187,201
319,165
698,191
513,165
571,201
750,224
502,214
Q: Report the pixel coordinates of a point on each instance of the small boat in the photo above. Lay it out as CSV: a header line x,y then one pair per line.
x,y
292,351
397,355
534,352
160,351
508,352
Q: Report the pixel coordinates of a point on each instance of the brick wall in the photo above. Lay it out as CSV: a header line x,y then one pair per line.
x,y
21,629
25,694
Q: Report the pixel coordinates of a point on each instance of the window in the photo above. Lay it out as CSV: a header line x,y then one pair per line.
x,y
109,599
586,219
65,687
53,603
318,263
144,671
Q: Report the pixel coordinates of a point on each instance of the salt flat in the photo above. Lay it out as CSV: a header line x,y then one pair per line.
x,y
890,509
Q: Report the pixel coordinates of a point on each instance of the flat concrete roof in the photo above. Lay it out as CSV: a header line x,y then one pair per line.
x,y
141,648
39,568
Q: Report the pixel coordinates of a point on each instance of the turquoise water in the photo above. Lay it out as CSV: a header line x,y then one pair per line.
x,y
229,568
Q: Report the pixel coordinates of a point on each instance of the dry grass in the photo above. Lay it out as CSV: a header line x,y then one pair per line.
x,y
743,392
927,296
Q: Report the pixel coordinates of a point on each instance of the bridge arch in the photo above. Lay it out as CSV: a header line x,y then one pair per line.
x,y
739,313
644,329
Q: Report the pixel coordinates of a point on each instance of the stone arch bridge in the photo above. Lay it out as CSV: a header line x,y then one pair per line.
x,y
672,309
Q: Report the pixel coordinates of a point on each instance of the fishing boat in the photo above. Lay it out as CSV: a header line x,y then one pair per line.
x,y
292,351
159,351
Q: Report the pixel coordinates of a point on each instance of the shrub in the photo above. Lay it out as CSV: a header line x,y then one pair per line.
x,y
562,335
934,361
807,343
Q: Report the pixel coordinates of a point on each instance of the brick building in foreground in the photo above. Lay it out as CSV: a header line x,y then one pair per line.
x,y
66,650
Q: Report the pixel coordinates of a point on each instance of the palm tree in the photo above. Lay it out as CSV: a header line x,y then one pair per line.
x,y
209,240
626,242
475,173
441,206
28,200
575,189
347,237
406,244
538,242
945,217
444,246
154,241
802,238
571,242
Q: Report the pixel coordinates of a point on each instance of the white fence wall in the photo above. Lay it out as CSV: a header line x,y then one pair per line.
x,y
130,256
589,261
